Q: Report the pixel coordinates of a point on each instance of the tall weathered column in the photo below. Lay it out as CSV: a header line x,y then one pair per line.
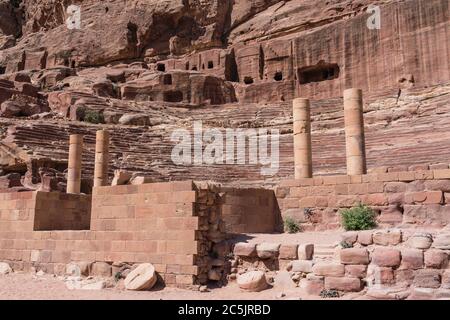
x,y
302,138
354,132
101,158
74,172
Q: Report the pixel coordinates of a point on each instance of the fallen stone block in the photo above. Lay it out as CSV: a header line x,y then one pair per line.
x,y
242,249
253,281
268,250
121,177
142,278
79,268
101,269
5,268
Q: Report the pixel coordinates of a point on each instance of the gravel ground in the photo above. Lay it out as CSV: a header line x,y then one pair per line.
x,y
21,286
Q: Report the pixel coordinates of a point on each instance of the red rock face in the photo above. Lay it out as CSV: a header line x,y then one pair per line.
x,y
145,68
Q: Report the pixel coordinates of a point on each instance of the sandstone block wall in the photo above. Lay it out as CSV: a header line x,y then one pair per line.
x,y
406,198
250,211
59,211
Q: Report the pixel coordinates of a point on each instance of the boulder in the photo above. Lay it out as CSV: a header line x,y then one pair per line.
x,y
253,281
268,250
101,269
5,268
142,278
79,269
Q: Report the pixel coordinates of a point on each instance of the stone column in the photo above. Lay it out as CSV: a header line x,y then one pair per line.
x,y
354,132
302,138
74,172
101,158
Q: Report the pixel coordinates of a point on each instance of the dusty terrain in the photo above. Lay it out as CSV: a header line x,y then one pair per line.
x,y
31,287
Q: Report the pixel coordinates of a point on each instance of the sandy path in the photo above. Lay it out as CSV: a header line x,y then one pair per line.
x,y
19,286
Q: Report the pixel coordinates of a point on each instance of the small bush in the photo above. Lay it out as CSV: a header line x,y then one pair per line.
x,y
291,225
346,245
93,117
329,294
358,218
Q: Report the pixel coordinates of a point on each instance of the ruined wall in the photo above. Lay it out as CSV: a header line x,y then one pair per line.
x,y
176,226
388,263
405,198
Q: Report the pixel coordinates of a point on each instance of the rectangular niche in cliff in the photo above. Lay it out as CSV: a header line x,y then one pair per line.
x,y
2,70
320,72
173,96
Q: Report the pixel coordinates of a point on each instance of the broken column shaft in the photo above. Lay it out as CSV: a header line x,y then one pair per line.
x,y
302,138
74,172
101,158
354,132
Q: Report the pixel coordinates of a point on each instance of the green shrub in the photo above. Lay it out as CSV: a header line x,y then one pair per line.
x,y
93,117
346,245
358,218
291,225
329,294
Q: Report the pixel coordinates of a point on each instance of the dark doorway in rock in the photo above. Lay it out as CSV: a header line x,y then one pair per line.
x,y
72,64
210,65
248,80
187,65
161,67
173,96
167,79
278,76
194,68
2,70
318,73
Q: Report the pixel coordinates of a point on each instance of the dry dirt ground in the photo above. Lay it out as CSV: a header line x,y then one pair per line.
x,y
20,286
